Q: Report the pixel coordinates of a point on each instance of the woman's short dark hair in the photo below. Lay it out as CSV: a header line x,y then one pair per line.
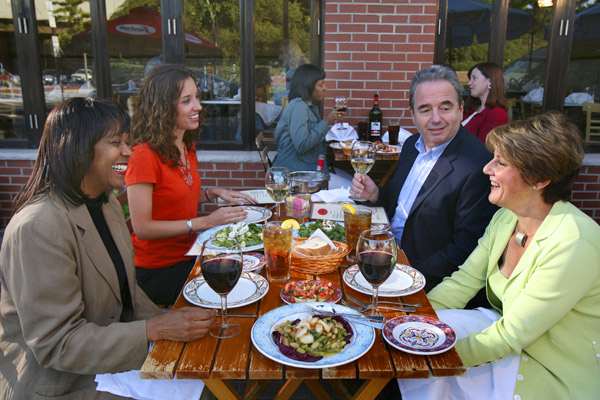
x,y
156,112
304,80
66,150
497,93
544,147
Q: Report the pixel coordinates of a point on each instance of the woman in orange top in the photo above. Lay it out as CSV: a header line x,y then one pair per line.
x,y
163,184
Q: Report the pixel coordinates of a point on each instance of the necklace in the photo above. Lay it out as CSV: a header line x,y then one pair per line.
x,y
186,172
521,239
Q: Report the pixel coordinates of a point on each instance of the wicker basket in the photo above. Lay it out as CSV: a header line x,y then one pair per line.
x,y
319,264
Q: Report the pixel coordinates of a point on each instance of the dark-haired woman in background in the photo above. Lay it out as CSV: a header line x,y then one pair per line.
x,y
300,132
486,106
163,183
70,305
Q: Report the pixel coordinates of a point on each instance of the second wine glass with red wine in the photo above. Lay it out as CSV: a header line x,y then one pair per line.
x,y
341,104
377,253
221,268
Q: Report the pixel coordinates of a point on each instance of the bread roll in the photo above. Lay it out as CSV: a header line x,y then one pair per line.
x,y
315,246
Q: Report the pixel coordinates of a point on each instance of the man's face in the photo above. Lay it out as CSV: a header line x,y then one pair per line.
x,y
436,113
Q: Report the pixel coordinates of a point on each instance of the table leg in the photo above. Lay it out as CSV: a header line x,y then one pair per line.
x,y
340,388
388,174
316,388
255,388
222,389
288,389
370,389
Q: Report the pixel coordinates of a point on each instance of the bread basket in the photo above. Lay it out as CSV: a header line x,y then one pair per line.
x,y
319,264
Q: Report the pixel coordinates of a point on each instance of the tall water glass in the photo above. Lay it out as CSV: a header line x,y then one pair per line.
x,y
222,268
278,251
377,255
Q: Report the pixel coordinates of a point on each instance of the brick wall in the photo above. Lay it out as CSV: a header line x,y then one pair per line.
x,y
242,176
376,46
14,174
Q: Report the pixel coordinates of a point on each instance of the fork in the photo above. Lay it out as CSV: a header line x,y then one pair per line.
x,y
395,303
362,309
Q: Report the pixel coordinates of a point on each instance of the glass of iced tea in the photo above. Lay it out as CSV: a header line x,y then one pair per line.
x,y
354,225
278,251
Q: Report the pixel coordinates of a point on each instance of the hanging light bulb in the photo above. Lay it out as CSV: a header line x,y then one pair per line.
x,y
545,3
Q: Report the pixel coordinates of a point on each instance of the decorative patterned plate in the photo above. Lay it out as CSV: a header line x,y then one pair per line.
x,y
250,288
335,297
403,281
253,261
256,214
361,342
418,334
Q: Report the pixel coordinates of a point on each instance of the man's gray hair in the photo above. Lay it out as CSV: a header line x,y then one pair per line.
x,y
432,74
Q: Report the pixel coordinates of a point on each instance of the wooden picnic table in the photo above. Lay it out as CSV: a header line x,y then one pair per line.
x,y
216,361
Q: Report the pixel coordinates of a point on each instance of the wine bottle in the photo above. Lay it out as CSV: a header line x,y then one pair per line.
x,y
375,119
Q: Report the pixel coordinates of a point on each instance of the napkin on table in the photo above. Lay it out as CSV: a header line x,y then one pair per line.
x,y
334,195
335,133
129,384
579,98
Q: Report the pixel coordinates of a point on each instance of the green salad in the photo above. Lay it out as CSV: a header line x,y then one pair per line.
x,y
333,230
246,234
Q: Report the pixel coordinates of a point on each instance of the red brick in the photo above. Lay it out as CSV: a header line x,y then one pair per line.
x,y
335,56
228,166
397,19
20,163
205,166
336,37
423,38
366,18
333,18
380,28
592,187
209,182
587,178
351,84
394,38
10,171
380,9
352,8
407,47
352,47
19,179
418,57
378,85
334,74
591,204
10,188
584,195
352,28
351,65
593,170
217,174
368,56
227,183
392,56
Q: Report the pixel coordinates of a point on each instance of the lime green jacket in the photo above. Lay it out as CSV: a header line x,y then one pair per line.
x,y
550,304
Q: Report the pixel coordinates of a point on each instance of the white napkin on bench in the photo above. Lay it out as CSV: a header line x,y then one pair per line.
x,y
129,384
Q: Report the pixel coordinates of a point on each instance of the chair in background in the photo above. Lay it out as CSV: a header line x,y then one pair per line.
x,y
592,121
511,103
262,141
529,109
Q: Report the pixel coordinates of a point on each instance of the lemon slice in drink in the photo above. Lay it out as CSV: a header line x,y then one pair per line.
x,y
290,223
348,208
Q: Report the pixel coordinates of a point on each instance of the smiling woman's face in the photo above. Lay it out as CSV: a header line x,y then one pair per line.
x,y
111,156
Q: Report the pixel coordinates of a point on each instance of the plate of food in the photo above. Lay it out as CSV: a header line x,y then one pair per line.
x,y
256,214
272,335
310,291
333,230
417,334
403,281
249,236
383,148
250,288
253,261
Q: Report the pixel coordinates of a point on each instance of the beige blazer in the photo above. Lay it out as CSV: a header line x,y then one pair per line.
x,y
60,304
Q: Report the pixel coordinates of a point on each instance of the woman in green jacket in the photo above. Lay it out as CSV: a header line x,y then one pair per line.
x,y
538,261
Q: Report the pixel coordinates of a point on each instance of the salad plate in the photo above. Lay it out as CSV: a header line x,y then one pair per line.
x,y
362,339
418,334
250,288
253,261
403,281
196,248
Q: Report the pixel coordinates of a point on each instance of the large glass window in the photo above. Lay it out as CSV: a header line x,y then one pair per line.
x,y
11,98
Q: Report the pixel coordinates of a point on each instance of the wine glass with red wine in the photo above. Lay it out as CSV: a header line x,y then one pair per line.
x,y
222,268
341,104
377,254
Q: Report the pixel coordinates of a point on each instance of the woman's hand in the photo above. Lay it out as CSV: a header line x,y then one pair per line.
x,y
232,196
333,115
221,216
364,187
183,325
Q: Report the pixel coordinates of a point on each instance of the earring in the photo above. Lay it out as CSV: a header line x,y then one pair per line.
x,y
534,187
489,87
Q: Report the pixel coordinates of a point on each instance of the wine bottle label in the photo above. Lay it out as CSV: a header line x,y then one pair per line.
x,y
375,127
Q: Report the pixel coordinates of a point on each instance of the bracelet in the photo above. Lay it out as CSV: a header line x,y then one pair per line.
x,y
189,225
207,196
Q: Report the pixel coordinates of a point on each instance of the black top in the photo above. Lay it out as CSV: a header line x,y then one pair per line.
x,y
94,206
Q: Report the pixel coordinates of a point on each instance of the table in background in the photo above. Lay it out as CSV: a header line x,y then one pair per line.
x,y
215,361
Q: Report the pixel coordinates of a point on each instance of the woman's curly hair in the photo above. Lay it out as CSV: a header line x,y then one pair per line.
x,y
156,112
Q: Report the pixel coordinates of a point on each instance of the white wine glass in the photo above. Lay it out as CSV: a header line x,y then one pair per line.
x,y
221,268
362,158
341,104
377,254
277,183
